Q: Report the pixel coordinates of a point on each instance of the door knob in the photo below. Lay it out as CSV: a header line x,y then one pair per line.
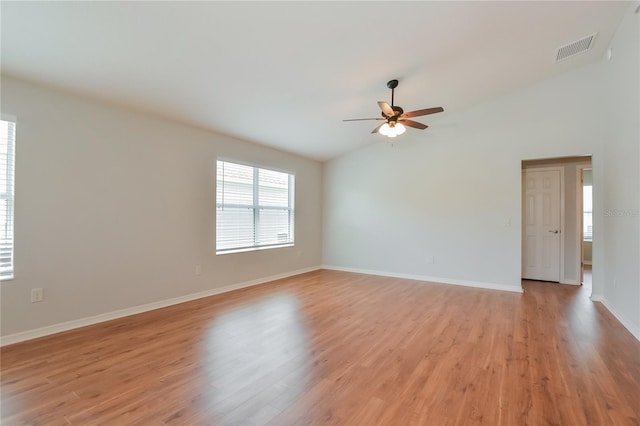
x,y
555,231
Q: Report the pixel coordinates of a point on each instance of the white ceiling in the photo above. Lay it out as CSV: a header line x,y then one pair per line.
x,y
284,74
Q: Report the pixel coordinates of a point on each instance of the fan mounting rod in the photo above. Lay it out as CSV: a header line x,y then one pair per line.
x,y
392,84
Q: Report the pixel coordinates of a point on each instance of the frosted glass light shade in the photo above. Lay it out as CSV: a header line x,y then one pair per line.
x,y
392,129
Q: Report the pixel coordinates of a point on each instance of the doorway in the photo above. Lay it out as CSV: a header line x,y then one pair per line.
x,y
585,191
554,225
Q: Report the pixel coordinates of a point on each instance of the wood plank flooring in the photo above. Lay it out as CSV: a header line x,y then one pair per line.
x,y
337,348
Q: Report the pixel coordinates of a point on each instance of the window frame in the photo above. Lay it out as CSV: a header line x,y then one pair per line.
x,y
256,208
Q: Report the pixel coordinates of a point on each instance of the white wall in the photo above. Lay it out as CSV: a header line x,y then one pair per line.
x,y
621,189
447,192
114,208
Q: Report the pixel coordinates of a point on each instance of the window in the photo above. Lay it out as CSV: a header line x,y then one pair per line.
x,y
587,209
7,149
254,208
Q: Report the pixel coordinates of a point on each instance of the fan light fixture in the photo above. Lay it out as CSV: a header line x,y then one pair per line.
x,y
395,118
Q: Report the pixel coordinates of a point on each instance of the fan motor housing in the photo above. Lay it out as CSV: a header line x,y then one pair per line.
x,y
397,110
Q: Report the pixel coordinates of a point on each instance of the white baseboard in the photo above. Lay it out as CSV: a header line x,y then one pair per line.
x,y
634,330
83,322
570,282
476,284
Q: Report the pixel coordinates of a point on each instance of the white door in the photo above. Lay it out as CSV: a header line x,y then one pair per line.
x,y
541,225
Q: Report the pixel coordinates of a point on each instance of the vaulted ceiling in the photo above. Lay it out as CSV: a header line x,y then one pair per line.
x,y
284,74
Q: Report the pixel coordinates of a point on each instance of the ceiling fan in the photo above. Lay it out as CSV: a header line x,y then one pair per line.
x,y
394,117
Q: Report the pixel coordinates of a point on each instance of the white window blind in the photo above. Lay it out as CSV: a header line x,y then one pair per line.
x,y
7,150
254,208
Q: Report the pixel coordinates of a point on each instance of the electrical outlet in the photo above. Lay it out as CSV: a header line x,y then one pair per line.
x,y
430,259
198,270
37,295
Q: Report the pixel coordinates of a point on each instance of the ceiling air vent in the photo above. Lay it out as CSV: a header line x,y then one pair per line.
x,y
572,49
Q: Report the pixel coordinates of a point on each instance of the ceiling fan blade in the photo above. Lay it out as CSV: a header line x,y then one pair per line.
x,y
377,128
420,112
363,119
413,124
386,109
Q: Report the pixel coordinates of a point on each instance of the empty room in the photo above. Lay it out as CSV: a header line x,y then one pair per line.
x,y
308,213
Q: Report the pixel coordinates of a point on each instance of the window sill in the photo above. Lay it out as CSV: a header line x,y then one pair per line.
x,y
244,250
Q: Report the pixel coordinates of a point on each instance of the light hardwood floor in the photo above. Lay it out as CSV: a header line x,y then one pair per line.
x,y
332,347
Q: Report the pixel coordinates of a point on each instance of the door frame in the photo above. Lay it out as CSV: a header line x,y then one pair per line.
x,y
542,168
